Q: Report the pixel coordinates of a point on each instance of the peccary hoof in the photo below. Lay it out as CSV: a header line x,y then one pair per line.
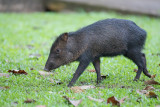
x,y
69,85
135,79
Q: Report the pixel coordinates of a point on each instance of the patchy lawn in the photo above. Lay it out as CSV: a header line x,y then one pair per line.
x,y
25,40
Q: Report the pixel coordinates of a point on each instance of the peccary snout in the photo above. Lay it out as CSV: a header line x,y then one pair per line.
x,y
60,53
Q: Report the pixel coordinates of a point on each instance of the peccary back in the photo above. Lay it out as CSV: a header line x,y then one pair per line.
x,y
112,37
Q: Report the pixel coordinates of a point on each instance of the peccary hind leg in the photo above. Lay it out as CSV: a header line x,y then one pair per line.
x,y
139,59
81,67
145,71
96,64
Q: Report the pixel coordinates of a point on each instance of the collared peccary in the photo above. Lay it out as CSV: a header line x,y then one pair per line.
x,y
110,37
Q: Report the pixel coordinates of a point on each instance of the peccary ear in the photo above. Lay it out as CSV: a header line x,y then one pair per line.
x,y
64,36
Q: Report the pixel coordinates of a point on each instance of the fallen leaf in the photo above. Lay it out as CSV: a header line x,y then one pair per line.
x,y
41,106
56,82
139,99
94,99
141,91
157,54
102,87
4,75
153,76
73,102
36,27
30,46
14,103
59,82
77,89
91,70
34,56
84,87
122,86
151,95
7,61
125,86
150,82
29,101
51,92
135,70
149,88
4,87
45,73
104,76
17,72
112,86
122,100
31,68
114,101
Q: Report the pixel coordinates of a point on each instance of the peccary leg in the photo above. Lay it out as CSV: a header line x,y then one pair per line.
x,y
96,64
136,57
82,66
145,71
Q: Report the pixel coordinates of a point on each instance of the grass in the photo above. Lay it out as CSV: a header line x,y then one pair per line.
x,y
39,30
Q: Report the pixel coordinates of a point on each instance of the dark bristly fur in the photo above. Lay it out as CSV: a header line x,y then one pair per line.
x,y
108,37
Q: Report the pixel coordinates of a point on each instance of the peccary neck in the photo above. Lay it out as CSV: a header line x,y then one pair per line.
x,y
76,44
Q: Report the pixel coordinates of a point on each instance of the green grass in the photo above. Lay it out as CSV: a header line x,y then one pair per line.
x,y
40,30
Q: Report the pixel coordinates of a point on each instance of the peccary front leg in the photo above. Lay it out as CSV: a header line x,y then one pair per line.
x,y
96,64
82,66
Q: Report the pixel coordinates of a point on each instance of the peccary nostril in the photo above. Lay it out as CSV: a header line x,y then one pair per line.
x,y
46,69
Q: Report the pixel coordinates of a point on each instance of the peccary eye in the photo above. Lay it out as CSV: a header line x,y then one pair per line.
x,y
57,51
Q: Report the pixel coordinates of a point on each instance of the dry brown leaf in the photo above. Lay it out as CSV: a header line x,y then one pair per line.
x,y
141,91
73,102
149,88
29,101
104,76
135,70
157,54
41,106
77,89
4,75
114,101
45,73
30,46
17,72
91,70
14,103
34,56
31,68
84,87
122,86
151,82
94,99
122,100
56,82
139,99
151,95
153,76
4,88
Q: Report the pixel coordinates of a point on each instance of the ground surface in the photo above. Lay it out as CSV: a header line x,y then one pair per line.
x,y
25,34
